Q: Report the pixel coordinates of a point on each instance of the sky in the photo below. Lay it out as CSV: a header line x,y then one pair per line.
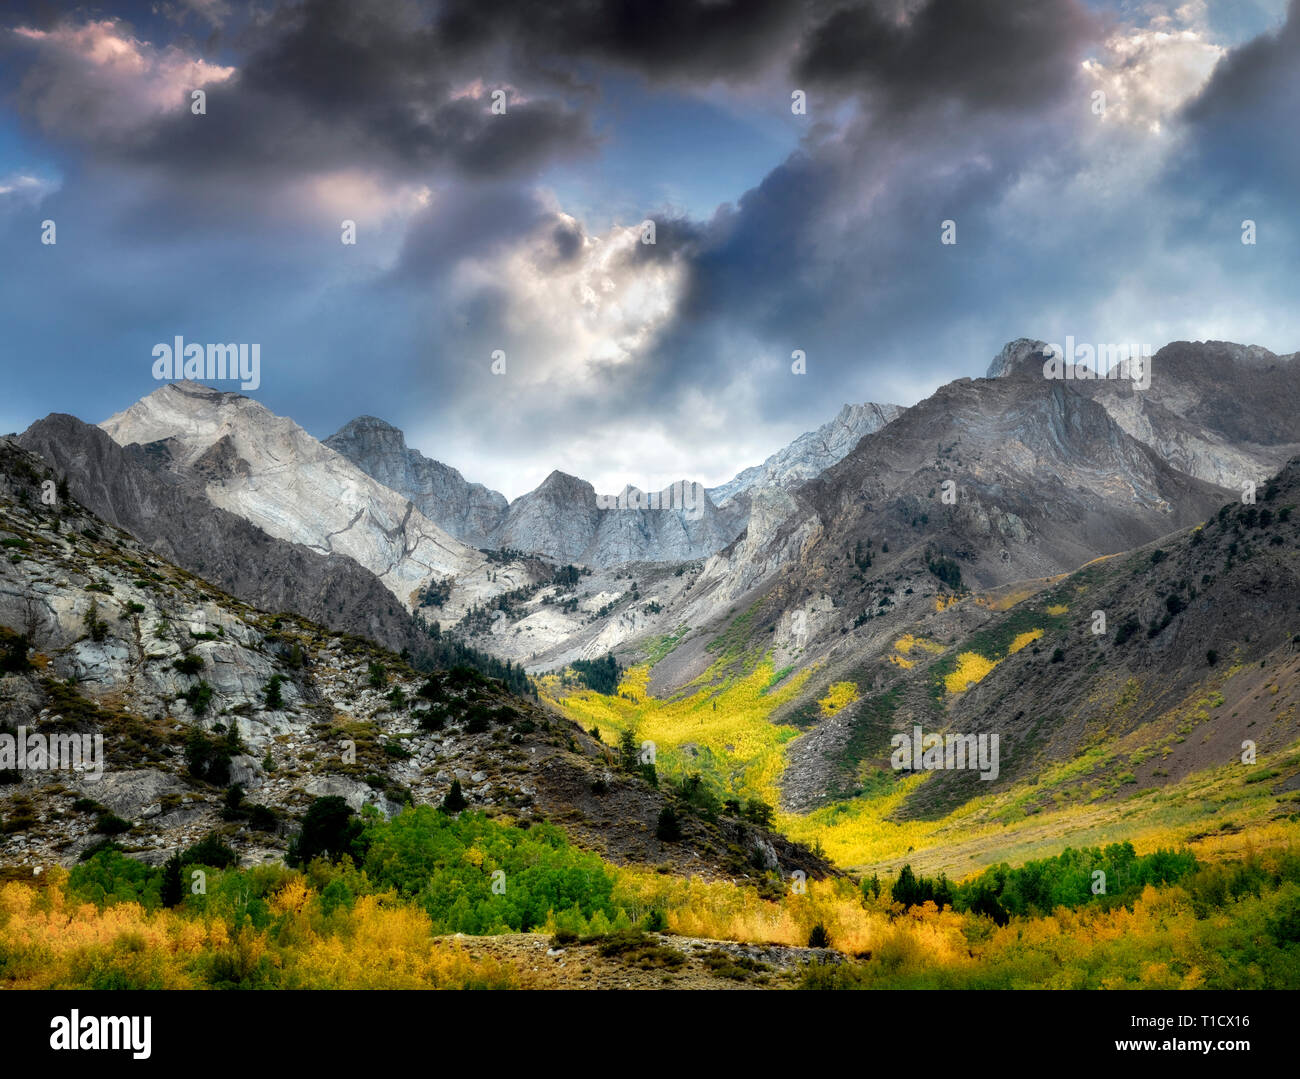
x,y
500,304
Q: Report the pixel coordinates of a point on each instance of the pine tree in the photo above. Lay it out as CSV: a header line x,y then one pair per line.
x,y
173,890
669,830
455,800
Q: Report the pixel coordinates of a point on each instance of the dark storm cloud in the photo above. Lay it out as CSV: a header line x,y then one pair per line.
x,y
661,39
1242,126
677,239
467,220
1011,55
325,84
836,251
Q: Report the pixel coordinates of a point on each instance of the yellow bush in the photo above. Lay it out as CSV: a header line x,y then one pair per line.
x,y
971,667
1023,639
907,642
839,695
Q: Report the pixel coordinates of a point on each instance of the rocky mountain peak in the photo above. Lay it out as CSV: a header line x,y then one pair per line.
x,y
1018,357
811,453
561,484
268,470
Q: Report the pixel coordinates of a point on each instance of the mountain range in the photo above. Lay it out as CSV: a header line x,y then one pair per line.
x,y
940,565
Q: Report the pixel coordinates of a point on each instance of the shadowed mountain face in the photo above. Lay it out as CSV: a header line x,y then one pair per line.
x,y
468,511
1006,478
134,489
1163,662
1011,478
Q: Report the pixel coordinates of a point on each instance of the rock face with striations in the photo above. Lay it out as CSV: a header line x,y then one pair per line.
x,y
1222,412
1023,356
133,488
468,511
268,470
811,453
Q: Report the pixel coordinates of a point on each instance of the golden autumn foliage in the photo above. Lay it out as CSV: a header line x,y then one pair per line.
x,y
49,940
1203,932
908,641
838,695
1022,640
971,667
731,718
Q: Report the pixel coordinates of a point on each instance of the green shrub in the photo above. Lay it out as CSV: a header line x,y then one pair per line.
x,y
424,854
210,851
209,758
190,664
111,824
198,697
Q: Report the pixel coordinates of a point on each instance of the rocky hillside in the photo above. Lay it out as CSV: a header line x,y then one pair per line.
x,y
196,692
1143,669
984,483
169,513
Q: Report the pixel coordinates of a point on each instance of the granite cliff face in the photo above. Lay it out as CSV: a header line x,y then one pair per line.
x,y
565,519
468,511
268,470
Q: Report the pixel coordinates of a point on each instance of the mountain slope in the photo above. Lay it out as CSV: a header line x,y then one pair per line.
x,y
132,488
1196,634
1185,415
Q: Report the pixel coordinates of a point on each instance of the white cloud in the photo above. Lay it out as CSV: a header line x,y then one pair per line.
x,y
23,187
574,318
1148,74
